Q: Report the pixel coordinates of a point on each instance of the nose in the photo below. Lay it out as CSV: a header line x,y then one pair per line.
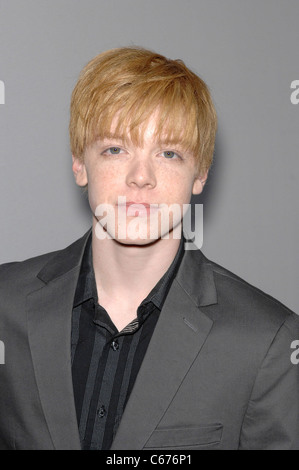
x,y
141,173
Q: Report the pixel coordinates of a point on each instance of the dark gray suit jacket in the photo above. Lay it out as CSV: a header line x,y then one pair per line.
x,y
217,373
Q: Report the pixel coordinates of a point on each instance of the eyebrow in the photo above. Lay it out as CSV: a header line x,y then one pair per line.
x,y
175,144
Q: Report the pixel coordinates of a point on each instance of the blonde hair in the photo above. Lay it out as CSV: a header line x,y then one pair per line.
x,y
133,83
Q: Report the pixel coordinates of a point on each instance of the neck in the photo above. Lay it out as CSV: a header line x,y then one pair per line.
x,y
130,271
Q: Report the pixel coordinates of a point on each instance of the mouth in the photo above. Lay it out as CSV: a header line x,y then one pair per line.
x,y
138,209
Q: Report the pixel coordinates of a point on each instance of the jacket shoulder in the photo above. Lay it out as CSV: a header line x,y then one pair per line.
x,y
21,274
238,295
17,270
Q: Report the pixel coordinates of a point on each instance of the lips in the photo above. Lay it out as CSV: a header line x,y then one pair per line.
x,y
144,204
135,209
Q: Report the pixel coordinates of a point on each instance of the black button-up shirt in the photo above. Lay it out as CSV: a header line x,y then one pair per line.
x,y
105,361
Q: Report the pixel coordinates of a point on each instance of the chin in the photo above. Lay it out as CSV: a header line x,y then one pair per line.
x,y
138,234
138,242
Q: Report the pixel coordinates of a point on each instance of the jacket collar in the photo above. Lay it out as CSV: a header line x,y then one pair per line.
x,y
49,320
196,277
64,260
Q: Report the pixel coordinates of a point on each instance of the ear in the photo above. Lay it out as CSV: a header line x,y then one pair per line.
x,y
79,171
199,182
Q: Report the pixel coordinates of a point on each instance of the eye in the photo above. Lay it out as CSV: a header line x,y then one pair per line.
x,y
171,155
113,151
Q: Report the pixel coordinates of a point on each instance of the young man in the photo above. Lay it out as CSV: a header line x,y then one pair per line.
x,y
125,340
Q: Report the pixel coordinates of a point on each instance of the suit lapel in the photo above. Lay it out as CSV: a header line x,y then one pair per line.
x,y
49,314
178,338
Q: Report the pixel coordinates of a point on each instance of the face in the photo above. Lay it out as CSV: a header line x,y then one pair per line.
x,y
137,194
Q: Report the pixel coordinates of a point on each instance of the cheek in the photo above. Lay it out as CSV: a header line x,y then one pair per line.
x,y
102,183
178,187
96,193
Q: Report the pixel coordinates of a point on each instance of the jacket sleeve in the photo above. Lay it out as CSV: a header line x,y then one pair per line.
x,y
271,421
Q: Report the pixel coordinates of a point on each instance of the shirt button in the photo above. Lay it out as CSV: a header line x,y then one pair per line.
x,y
101,412
114,345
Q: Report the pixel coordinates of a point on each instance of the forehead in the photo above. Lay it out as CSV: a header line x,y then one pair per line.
x,y
154,128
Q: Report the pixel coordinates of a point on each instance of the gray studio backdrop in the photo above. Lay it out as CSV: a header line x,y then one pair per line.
x,y
247,52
